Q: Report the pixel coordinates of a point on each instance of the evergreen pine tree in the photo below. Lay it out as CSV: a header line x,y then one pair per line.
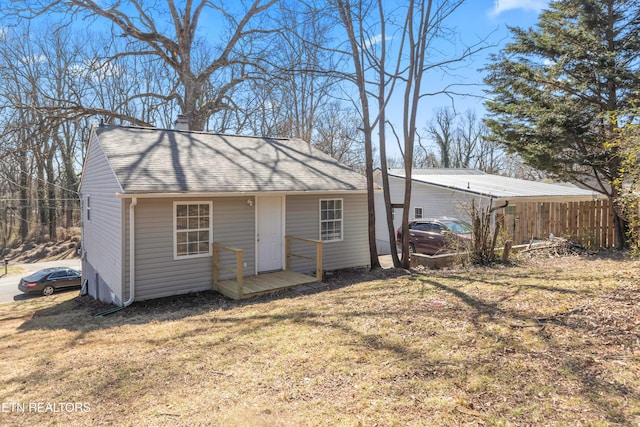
x,y
552,87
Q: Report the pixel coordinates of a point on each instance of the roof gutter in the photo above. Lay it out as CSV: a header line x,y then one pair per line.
x,y
155,195
132,252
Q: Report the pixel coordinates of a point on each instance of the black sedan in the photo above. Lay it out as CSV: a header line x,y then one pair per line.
x,y
47,281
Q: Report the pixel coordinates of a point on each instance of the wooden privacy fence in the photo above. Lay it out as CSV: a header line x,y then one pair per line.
x,y
588,223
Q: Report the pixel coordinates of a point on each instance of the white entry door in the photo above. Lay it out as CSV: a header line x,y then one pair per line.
x,y
270,233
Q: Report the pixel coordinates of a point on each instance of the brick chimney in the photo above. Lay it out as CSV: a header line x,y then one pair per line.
x,y
182,123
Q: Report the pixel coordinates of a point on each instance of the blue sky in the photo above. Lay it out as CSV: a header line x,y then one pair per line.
x,y
501,6
475,20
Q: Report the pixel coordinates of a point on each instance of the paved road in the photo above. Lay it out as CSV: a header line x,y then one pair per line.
x,y
9,285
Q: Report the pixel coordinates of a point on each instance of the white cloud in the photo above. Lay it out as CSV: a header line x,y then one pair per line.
x,y
501,6
34,59
96,70
375,40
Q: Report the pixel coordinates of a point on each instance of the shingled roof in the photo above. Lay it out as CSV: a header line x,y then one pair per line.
x,y
148,160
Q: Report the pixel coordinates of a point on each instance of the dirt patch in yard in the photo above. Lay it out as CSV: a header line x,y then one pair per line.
x,y
208,300
31,252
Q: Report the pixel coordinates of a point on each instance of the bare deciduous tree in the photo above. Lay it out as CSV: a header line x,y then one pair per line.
x,y
441,130
420,25
201,84
298,79
337,134
462,142
352,17
37,72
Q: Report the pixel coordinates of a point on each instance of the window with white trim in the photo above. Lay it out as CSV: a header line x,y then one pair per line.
x,y
88,207
192,229
331,220
417,213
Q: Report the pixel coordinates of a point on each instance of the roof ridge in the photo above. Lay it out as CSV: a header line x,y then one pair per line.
x,y
200,132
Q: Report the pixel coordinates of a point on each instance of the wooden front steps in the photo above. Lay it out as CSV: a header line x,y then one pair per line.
x,y
242,286
262,284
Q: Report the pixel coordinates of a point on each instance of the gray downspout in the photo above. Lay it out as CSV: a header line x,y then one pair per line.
x,y
132,247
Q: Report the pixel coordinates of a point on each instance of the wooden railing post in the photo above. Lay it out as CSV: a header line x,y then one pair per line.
x,y
319,261
239,272
214,266
287,253
238,269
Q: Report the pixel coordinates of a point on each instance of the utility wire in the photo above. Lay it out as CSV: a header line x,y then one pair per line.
x,y
28,188
37,198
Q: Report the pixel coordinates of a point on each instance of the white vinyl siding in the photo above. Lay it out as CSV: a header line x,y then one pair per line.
x,y
330,220
192,229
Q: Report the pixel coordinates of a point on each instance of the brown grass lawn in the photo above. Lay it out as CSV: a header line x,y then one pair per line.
x,y
545,342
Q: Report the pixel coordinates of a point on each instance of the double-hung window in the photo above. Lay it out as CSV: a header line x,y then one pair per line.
x,y
331,220
417,213
192,229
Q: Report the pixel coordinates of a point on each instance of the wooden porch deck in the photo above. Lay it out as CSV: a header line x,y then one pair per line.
x,y
262,284
246,287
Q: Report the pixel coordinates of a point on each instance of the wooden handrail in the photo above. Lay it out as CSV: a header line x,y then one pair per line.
x,y
317,258
217,266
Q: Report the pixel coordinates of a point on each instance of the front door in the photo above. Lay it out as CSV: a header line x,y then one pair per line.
x,y
270,233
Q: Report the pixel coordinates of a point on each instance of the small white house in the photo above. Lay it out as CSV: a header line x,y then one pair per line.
x,y
155,201
449,192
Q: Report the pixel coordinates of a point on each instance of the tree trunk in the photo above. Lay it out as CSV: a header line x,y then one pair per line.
x,y
51,200
25,201
41,201
620,226
373,250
